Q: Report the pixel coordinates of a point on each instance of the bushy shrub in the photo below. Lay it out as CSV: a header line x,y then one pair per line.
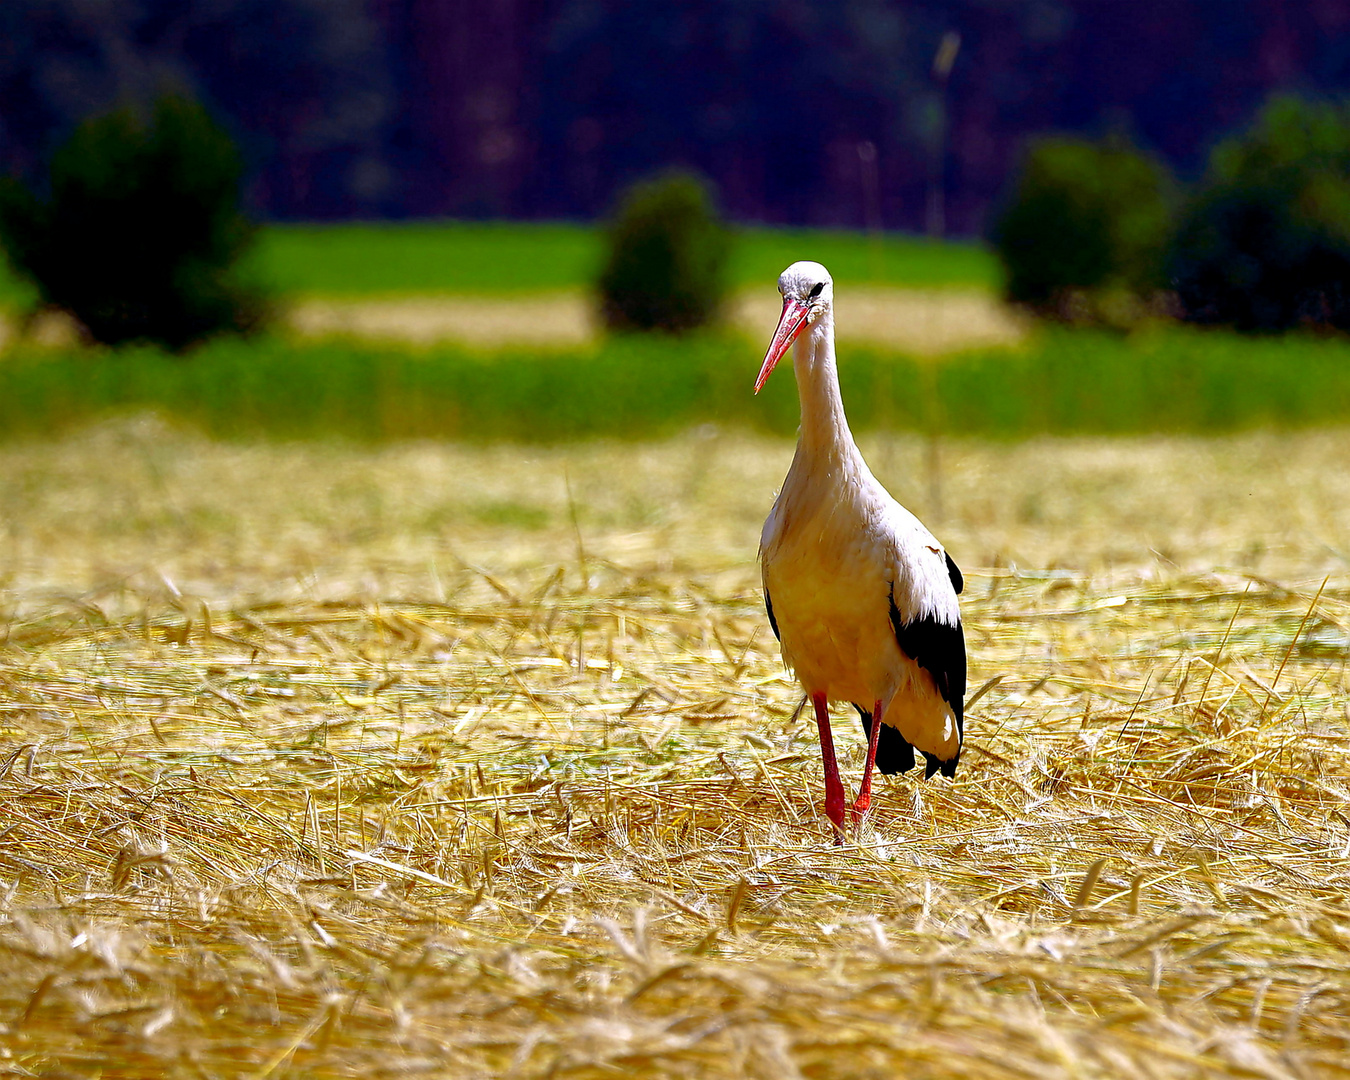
x,y
1082,217
139,230
667,255
1264,242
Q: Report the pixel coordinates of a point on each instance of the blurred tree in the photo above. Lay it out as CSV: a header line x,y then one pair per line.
x,y
139,233
1083,217
1264,243
666,265
302,84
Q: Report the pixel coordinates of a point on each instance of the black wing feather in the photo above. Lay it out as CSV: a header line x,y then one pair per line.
x,y
954,572
768,606
940,649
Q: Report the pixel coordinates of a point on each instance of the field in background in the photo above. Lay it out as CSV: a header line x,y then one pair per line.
x,y
338,762
496,283
916,321
508,349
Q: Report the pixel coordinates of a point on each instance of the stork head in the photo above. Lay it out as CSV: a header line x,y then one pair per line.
x,y
808,293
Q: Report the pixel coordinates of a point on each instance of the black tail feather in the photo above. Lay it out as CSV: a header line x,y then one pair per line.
x,y
894,753
934,765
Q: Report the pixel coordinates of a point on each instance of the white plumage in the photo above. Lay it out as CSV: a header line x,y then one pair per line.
x,y
861,595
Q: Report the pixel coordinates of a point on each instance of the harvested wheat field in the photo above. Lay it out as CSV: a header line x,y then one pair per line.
x,y
919,321
923,322
469,762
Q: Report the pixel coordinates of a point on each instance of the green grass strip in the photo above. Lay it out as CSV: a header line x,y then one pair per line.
x,y
1171,379
381,259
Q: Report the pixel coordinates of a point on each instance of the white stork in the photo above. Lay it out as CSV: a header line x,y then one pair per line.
x,y
860,595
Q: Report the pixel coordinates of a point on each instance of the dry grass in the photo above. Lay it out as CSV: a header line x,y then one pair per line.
x,y
481,762
921,321
924,322
561,319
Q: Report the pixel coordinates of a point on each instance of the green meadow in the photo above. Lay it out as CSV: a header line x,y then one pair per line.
x,y
504,258
501,258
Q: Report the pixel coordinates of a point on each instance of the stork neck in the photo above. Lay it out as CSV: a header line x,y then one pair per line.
x,y
823,422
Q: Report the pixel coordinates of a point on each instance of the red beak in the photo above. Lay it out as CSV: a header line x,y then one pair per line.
x,y
790,324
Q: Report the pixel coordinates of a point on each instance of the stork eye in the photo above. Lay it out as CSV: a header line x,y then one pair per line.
x,y
816,290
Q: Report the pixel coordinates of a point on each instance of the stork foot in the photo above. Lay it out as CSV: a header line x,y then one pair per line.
x,y
836,815
857,813
864,799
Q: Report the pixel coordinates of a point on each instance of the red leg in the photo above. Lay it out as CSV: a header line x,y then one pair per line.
x,y
834,790
865,792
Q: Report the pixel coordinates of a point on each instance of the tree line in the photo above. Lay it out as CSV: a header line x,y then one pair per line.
x,y
805,112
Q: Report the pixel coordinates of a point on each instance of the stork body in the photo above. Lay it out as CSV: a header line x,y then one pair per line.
x,y
860,594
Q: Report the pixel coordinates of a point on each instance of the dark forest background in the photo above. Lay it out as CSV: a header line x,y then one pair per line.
x,y
547,108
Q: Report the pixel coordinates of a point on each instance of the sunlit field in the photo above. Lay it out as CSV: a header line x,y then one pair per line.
x,y
332,760
381,699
